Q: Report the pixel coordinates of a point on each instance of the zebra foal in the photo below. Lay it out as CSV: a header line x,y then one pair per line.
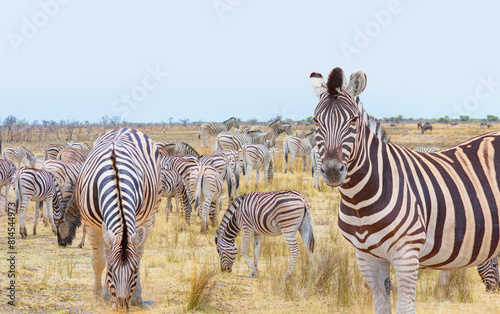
x,y
268,214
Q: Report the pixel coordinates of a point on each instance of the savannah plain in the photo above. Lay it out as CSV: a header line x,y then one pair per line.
x,y
180,268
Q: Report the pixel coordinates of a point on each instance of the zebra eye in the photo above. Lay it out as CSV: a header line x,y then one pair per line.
x,y
353,121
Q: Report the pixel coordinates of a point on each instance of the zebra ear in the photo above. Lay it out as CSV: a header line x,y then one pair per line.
x,y
107,235
317,83
139,237
357,83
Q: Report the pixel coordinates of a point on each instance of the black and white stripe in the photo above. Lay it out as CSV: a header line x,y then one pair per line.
x,y
225,168
79,145
255,157
216,128
173,187
118,193
298,147
208,184
7,171
409,209
71,154
266,214
173,148
52,150
235,141
38,186
315,168
18,154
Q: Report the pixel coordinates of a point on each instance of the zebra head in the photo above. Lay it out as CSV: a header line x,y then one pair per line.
x,y
337,124
227,251
123,263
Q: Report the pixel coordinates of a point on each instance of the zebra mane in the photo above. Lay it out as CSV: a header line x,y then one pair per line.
x,y
227,121
274,122
372,123
230,211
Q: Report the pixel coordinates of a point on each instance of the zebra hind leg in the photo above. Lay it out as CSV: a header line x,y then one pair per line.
x,y
245,244
257,240
291,242
37,210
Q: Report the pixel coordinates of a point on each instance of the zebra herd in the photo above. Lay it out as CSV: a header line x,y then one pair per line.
x,y
412,209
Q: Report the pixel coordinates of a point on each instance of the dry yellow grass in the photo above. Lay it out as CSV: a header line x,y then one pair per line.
x,y
57,279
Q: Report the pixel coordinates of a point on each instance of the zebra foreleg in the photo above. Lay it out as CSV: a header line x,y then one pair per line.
x,y
48,205
257,241
136,298
378,278
245,244
98,262
37,211
406,275
83,237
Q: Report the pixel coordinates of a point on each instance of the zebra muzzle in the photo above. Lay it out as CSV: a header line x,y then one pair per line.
x,y
333,172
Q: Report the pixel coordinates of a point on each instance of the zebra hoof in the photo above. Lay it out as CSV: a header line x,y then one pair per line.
x,y
34,231
79,246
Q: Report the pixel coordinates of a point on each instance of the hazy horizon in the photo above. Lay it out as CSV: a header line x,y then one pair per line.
x,y
209,60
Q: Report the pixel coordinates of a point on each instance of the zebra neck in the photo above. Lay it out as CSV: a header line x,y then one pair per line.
x,y
365,169
231,230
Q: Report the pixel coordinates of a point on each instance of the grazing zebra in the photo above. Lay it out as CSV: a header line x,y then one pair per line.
x,y
256,156
66,174
216,128
298,147
19,154
173,186
38,186
73,154
268,214
231,141
315,167
409,209
177,148
7,171
223,165
118,193
454,123
183,165
419,125
209,187
79,145
52,150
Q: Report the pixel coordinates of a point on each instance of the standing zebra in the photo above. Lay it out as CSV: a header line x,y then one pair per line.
x,y
79,145
315,167
268,214
298,147
19,154
223,165
73,154
209,187
426,127
118,193
409,209
256,157
173,186
38,186
7,171
216,128
276,128
234,159
52,150
231,141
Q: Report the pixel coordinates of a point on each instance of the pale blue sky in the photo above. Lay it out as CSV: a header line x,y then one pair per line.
x,y
244,58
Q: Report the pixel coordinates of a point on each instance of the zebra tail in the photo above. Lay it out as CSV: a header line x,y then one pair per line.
x,y
19,195
244,159
229,177
199,186
313,164
285,149
309,220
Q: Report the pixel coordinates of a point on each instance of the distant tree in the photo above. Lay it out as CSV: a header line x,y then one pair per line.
x,y
252,121
115,120
309,119
491,118
443,120
464,118
170,120
184,121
